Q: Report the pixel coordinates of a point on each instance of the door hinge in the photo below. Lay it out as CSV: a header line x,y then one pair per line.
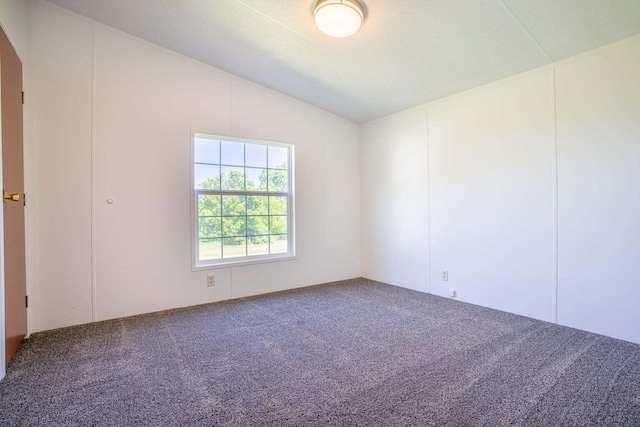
x,y
26,301
23,97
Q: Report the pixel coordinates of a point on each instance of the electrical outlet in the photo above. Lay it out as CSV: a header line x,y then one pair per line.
x,y
445,276
453,293
211,280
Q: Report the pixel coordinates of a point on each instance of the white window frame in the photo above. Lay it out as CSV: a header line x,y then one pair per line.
x,y
198,264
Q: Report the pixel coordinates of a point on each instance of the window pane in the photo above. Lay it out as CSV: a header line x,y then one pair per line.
x,y
257,225
208,205
233,205
277,205
233,226
210,227
256,155
241,216
232,178
278,225
278,157
257,205
234,247
279,244
278,181
207,177
232,153
256,179
210,249
258,245
207,150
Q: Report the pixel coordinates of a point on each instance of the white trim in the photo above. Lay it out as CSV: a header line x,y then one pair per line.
x,y
30,168
291,221
3,331
196,264
192,198
243,261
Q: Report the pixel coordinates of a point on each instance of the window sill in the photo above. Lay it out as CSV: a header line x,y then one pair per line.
x,y
241,263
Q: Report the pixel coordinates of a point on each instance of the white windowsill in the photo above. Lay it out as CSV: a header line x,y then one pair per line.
x,y
240,263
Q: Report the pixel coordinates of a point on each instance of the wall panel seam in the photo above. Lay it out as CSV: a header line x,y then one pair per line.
x,y
324,198
554,179
428,203
524,29
94,300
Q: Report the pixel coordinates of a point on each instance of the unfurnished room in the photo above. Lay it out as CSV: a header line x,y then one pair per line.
x,y
320,213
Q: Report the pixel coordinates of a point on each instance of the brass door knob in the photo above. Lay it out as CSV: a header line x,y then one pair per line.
x,y
12,197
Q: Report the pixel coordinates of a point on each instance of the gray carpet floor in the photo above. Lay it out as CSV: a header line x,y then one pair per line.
x,y
352,353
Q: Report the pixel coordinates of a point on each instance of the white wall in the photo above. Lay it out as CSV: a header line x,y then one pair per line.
x,y
490,175
598,101
524,190
395,205
113,120
530,211
61,196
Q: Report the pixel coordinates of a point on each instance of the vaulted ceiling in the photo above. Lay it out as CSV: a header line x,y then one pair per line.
x,y
408,52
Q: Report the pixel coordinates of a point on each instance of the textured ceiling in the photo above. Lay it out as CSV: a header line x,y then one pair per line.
x,y
407,53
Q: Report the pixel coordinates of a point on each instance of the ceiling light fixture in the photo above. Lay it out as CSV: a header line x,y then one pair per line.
x,y
339,18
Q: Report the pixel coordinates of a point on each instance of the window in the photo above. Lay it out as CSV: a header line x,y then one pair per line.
x,y
243,200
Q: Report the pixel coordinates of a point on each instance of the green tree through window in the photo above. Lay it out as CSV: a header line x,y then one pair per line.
x,y
243,196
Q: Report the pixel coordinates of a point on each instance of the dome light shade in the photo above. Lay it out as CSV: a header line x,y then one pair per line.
x,y
339,18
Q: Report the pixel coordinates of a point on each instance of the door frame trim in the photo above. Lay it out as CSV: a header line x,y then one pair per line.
x,y
3,331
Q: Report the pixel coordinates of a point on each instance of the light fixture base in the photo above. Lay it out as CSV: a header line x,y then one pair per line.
x,y
339,18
